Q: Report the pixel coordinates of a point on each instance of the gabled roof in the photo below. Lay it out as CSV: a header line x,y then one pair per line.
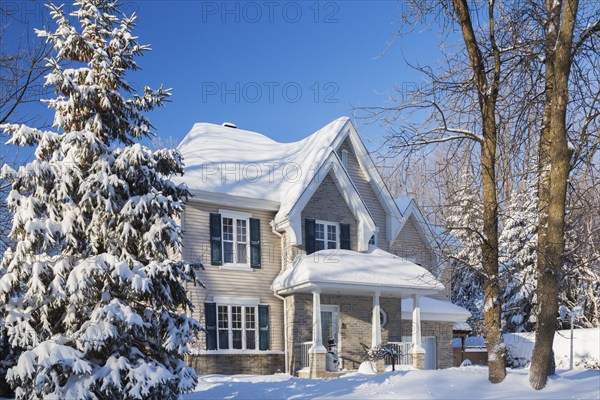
x,y
234,166
242,163
409,209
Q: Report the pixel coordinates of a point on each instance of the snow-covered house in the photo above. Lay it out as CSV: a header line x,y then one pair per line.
x,y
304,248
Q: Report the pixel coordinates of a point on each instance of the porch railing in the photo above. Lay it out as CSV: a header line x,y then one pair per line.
x,y
402,349
304,360
403,352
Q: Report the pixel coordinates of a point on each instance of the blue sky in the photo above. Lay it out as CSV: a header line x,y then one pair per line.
x,y
282,68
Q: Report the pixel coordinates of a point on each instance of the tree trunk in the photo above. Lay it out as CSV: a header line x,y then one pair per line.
x,y
489,250
487,91
554,146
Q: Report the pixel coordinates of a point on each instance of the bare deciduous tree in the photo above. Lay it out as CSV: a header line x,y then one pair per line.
x,y
22,66
462,106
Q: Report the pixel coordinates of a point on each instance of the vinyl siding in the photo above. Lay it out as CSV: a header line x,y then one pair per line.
x,y
233,283
359,177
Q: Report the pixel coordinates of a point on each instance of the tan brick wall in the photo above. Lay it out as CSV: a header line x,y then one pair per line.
x,y
231,364
443,334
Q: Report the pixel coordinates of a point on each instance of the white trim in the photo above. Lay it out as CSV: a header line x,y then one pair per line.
x,y
236,267
227,200
375,239
441,317
384,314
235,214
232,352
344,287
236,301
242,329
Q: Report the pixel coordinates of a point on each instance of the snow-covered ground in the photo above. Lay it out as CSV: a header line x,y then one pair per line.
x,y
586,347
454,383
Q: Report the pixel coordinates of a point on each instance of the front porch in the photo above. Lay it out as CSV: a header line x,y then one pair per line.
x,y
351,300
356,322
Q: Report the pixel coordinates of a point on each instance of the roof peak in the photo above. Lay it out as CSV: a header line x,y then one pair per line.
x,y
222,128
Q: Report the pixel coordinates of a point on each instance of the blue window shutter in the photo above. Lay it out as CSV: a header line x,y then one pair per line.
x,y
255,242
345,236
210,325
216,250
263,326
309,235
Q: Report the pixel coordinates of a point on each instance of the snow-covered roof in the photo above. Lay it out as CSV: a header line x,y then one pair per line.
x,y
235,167
435,310
372,270
237,162
462,326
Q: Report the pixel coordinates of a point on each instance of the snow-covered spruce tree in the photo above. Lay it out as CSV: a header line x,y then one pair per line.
x,y
464,221
89,291
518,257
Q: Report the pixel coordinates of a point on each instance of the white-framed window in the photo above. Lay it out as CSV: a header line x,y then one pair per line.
x,y
235,237
237,327
327,235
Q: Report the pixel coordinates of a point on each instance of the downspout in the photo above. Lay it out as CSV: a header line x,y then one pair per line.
x,y
285,335
285,316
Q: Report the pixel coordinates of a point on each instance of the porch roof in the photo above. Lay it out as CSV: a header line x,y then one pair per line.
x,y
351,272
436,310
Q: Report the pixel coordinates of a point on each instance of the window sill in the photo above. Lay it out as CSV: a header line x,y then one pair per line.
x,y
237,267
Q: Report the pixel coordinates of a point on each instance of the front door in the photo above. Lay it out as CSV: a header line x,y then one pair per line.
x,y
430,352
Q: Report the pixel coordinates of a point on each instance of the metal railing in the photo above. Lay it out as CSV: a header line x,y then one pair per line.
x,y
304,358
403,353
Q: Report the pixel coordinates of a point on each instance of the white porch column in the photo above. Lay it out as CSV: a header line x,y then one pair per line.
x,y
416,321
418,352
317,334
376,321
